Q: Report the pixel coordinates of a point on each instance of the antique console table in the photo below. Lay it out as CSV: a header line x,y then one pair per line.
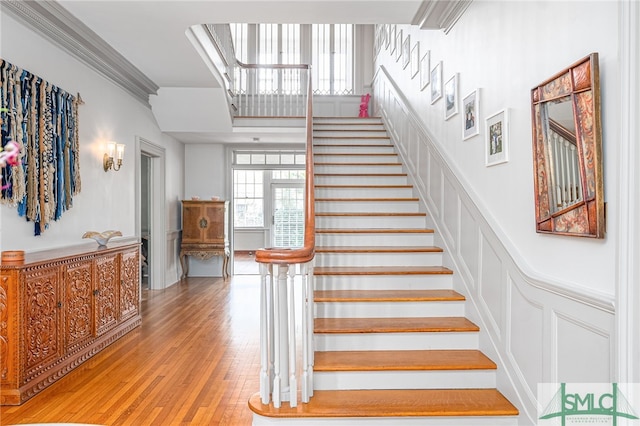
x,y
204,232
60,307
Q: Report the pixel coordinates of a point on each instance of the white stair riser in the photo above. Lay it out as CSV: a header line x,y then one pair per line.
x,y
351,141
379,259
389,309
450,379
395,341
348,149
389,421
383,282
359,133
350,206
367,158
364,192
360,180
366,222
358,168
393,240
329,126
346,120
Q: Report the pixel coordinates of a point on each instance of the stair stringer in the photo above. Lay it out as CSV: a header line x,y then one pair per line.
x,y
592,311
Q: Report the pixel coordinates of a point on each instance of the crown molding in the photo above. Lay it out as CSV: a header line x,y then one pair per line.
x,y
440,14
59,26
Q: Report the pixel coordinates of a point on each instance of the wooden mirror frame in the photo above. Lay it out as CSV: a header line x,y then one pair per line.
x,y
584,216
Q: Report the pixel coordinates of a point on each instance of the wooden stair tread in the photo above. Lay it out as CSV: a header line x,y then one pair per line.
x,y
357,154
378,249
387,295
381,270
405,199
393,403
351,145
350,130
357,164
362,174
394,325
352,137
370,214
374,231
364,186
423,360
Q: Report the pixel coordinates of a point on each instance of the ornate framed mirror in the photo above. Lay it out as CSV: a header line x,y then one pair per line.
x,y
567,152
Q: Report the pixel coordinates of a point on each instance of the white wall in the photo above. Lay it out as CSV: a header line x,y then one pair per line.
x,y
107,200
505,49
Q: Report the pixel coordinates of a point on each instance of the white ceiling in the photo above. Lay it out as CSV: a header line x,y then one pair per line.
x,y
151,33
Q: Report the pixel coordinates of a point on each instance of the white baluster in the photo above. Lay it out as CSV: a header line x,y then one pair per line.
x,y
293,382
265,332
278,340
304,271
309,330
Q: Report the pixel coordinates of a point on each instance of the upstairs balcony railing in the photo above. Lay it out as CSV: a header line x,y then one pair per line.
x,y
259,90
279,91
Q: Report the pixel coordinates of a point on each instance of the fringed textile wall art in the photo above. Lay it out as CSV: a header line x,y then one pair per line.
x,y
43,120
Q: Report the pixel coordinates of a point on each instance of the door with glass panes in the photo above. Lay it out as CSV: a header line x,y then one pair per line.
x,y
287,222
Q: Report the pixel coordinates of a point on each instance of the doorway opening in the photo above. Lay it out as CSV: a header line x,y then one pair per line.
x,y
150,212
145,218
267,204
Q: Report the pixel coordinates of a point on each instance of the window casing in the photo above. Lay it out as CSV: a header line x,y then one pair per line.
x,y
333,59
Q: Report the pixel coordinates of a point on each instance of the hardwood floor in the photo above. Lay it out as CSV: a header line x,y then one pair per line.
x,y
194,361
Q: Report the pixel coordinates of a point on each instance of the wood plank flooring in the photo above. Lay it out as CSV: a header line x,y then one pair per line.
x,y
194,361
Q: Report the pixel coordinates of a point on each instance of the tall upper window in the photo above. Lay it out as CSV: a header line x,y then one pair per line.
x,y
332,57
248,198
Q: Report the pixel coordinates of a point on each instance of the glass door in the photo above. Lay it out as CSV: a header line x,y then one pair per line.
x,y
288,215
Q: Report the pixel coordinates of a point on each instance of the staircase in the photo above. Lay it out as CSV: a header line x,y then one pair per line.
x,y
392,344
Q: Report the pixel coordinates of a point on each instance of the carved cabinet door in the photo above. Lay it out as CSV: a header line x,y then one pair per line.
x,y
79,304
42,319
129,284
214,233
107,294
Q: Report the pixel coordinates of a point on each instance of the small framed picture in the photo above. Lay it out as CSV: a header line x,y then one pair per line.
x,y
425,70
415,60
497,147
471,112
406,52
451,97
436,82
398,45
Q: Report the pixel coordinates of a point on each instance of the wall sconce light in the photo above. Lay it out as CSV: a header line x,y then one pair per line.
x,y
113,157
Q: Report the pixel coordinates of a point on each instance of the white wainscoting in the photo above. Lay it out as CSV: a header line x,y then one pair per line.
x,y
337,106
535,329
173,268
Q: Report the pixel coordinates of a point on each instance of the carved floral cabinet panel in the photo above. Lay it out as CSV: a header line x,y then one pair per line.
x,y
79,321
42,319
106,292
129,290
59,308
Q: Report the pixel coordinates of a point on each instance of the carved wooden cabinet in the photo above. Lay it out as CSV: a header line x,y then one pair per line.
x,y
205,227
59,308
